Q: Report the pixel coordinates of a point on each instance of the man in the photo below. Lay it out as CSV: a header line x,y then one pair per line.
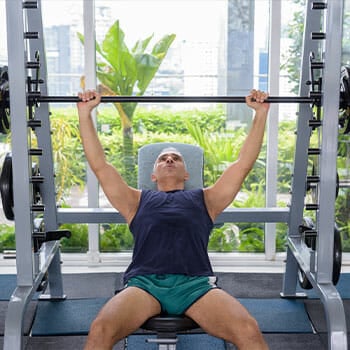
x,y
170,271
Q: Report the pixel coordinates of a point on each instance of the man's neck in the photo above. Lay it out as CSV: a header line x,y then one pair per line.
x,y
170,186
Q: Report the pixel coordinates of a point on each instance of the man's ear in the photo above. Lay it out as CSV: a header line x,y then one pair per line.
x,y
153,178
187,176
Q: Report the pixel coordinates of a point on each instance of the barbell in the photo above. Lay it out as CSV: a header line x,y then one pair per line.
x,y
35,97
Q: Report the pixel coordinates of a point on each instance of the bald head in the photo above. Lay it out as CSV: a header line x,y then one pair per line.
x,y
169,151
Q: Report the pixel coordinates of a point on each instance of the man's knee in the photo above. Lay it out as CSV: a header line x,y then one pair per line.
x,y
248,334
251,326
100,332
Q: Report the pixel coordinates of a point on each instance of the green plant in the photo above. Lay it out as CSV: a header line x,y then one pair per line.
x,y
116,237
281,236
78,242
173,126
219,149
251,235
66,157
7,237
252,239
224,238
124,71
175,122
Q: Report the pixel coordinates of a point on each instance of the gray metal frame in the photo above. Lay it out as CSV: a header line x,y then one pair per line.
x,y
317,265
31,267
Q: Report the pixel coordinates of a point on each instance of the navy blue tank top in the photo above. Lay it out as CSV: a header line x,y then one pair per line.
x,y
171,233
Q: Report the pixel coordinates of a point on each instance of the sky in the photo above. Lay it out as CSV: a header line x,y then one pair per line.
x,y
186,18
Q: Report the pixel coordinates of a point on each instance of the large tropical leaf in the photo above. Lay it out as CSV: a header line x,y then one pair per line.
x,y
109,79
162,46
122,62
122,70
141,45
148,64
147,67
126,72
114,47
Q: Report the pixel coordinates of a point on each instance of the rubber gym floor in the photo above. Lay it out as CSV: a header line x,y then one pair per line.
x,y
286,324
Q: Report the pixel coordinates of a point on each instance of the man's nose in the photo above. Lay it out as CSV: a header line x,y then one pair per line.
x,y
169,159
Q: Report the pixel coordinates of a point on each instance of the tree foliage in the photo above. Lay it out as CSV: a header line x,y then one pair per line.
x,y
292,58
124,71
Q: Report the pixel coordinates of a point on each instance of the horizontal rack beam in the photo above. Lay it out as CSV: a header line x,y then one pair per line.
x,y
110,215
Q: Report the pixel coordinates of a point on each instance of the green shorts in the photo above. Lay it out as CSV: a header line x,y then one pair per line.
x,y
175,293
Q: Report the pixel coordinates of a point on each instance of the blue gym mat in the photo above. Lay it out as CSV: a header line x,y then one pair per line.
x,y
8,284
76,286
279,315
67,317
73,317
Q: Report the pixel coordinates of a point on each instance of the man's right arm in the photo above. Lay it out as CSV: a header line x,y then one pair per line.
x,y
123,197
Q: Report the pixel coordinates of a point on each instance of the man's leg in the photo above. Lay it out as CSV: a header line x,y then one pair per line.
x,y
222,316
121,316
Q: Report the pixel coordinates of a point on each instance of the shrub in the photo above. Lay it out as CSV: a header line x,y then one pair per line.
x,y
7,237
78,242
204,128
116,237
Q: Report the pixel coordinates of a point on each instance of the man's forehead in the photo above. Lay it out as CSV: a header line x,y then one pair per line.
x,y
170,151
170,154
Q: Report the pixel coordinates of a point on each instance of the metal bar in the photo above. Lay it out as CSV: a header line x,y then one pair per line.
x,y
171,99
13,335
13,339
272,126
311,24
333,306
47,188
93,254
19,145
110,215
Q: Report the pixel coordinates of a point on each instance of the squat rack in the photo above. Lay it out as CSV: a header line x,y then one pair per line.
x,y
34,265
318,264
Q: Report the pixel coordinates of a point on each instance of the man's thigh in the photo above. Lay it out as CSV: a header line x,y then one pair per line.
x,y
128,310
219,314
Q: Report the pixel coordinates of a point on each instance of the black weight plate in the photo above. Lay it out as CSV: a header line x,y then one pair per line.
x,y
344,87
303,281
2,117
337,256
6,187
337,261
310,242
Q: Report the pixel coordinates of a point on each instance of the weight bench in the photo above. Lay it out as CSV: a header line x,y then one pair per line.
x,y
167,326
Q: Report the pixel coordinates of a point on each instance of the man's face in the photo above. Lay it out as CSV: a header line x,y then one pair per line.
x,y
170,163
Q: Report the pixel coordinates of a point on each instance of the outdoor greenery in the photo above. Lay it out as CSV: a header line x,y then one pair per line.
x,y
7,237
204,128
126,72
129,73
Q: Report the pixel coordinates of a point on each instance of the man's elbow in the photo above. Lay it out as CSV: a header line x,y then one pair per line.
x,y
98,168
244,166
